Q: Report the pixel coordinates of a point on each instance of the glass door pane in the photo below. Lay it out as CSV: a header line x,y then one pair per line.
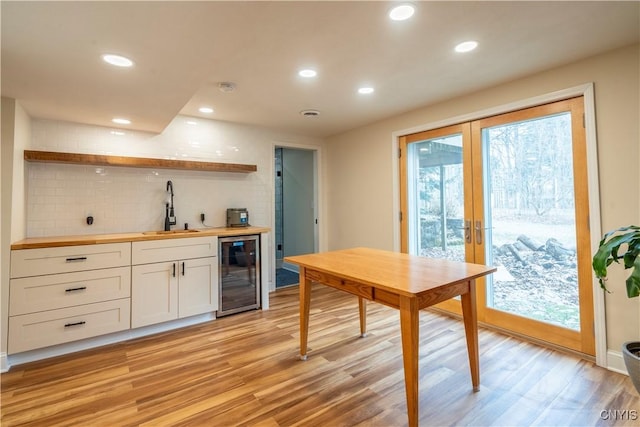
x,y
438,195
436,201
529,215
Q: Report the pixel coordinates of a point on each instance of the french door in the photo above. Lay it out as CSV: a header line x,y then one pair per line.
x,y
509,191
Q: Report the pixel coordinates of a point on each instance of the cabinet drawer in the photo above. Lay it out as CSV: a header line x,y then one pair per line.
x,y
31,331
41,293
346,285
150,251
66,259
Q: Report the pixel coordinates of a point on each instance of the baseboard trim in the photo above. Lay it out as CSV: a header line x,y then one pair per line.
x,y
615,362
4,363
291,267
86,344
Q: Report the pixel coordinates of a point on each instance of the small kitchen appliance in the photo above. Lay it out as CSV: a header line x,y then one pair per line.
x,y
237,217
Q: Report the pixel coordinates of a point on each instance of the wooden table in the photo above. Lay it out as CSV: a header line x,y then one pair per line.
x,y
405,282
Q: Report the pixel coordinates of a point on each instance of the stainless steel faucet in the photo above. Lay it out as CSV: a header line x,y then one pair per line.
x,y
170,216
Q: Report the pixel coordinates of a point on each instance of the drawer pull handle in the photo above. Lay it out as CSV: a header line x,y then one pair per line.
x,y
81,288
76,259
174,269
68,325
183,268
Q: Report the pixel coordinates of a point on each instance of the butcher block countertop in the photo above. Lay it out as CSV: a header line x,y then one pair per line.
x,y
93,239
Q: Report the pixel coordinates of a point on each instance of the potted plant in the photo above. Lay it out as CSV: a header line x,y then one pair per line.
x,y
609,252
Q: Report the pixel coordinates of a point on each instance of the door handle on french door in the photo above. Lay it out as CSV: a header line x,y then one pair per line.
x,y
478,232
467,231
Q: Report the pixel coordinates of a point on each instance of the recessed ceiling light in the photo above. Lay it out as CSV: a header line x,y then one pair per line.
x,y
365,90
121,121
401,12
205,110
467,46
117,60
307,73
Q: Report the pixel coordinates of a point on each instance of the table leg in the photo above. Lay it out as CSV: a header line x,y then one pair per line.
x,y
362,306
409,316
470,317
305,302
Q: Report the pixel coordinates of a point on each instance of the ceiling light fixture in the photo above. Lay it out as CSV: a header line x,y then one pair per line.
x,y
365,90
121,121
307,73
467,46
206,110
401,12
117,60
226,87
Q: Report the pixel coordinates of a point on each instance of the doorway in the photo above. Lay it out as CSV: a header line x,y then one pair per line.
x,y
295,209
509,191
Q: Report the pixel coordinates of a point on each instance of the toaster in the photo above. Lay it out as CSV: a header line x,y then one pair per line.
x,y
237,217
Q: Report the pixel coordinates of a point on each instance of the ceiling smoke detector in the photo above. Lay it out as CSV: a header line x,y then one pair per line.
x,y
310,113
226,87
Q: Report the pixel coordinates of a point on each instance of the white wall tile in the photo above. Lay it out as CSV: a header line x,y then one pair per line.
x,y
61,196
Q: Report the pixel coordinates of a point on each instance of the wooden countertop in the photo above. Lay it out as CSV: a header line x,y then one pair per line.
x,y
93,239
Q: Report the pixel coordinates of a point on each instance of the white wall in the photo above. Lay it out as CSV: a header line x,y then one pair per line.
x,y
360,173
16,133
6,171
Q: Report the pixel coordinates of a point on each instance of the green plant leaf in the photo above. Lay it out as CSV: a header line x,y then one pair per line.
x,y
608,252
633,281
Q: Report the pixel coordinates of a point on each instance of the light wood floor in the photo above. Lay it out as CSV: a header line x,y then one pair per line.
x,y
243,370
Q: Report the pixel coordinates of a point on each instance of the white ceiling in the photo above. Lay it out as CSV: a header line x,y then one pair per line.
x,y
50,59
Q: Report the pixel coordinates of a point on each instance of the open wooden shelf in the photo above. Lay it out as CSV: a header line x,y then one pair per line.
x,y
134,162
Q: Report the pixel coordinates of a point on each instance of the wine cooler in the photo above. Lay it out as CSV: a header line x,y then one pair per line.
x,y
239,274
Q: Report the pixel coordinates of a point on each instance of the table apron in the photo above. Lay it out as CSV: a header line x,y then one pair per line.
x,y
385,297
444,293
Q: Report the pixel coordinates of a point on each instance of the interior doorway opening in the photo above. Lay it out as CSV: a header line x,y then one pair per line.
x,y
295,209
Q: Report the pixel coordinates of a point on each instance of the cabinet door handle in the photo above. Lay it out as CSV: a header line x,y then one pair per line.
x,y
174,269
183,268
81,288
76,259
68,325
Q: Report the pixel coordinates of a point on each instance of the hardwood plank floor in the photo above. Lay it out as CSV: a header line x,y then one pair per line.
x,y
244,370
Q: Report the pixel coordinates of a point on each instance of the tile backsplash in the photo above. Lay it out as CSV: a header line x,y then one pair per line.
x,y
60,196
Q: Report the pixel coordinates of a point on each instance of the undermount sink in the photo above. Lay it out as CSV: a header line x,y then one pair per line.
x,y
154,233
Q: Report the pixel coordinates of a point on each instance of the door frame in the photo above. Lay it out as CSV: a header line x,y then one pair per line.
x,y
585,90
319,231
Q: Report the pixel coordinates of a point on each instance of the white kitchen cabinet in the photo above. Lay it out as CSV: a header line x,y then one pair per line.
x,y
63,294
53,291
66,259
154,293
51,327
198,286
184,284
